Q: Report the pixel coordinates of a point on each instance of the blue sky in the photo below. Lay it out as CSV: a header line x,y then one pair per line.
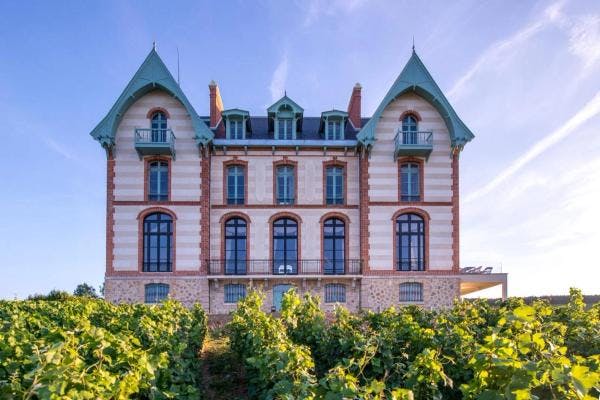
x,y
524,76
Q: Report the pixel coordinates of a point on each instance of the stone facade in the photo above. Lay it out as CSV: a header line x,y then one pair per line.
x,y
187,290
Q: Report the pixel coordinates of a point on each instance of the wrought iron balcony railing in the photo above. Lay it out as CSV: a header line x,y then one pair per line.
x,y
419,143
413,264
154,142
285,200
284,267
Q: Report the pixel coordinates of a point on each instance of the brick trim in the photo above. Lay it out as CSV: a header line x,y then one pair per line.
x,y
285,161
411,203
421,163
410,112
285,214
110,211
335,163
228,163
363,173
426,221
226,217
154,110
157,203
143,214
346,220
147,161
205,185
455,212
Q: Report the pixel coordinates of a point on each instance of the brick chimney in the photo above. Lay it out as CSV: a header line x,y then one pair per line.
x,y
354,106
216,104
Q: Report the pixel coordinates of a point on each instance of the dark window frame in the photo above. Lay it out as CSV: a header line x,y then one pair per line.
x,y
332,264
410,178
233,292
238,173
336,197
285,225
153,230
158,170
233,227
158,127
155,293
412,227
287,174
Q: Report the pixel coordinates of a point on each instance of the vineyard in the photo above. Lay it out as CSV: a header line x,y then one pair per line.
x,y
79,348
473,351
89,349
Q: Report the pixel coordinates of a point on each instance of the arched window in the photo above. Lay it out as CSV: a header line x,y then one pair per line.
x,y
409,181
334,246
235,246
235,184
158,243
409,129
411,292
410,242
285,246
285,184
159,127
335,293
158,181
156,292
334,185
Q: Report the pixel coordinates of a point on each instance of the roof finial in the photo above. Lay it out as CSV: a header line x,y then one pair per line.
x,y
284,93
413,43
154,45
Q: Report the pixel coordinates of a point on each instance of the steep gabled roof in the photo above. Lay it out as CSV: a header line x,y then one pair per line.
x,y
285,100
152,74
415,78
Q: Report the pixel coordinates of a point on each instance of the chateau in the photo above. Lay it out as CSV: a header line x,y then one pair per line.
x,y
363,211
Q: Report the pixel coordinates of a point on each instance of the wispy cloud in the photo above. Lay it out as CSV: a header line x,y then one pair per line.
x,y
318,8
279,78
495,52
584,39
59,149
590,110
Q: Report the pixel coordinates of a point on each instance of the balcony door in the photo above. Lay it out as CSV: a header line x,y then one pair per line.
x,y
285,247
235,246
334,240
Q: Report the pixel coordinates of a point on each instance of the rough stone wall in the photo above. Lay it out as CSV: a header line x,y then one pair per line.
x,y
379,293
131,290
217,293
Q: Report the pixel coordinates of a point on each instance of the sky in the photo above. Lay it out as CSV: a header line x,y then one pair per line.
x,y
523,75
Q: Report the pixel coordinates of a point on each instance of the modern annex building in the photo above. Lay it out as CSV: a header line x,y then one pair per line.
x,y
361,211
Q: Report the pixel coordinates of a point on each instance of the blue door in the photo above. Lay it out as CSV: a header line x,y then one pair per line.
x,y
278,292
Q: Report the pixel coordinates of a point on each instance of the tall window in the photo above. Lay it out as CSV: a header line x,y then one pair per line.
x,y
235,246
409,129
234,292
335,293
158,243
335,130
284,128
236,129
156,292
411,291
409,180
235,184
285,184
334,242
334,185
158,181
285,246
410,242
159,127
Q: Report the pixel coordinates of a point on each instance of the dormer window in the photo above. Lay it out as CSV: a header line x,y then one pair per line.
x,y
285,129
237,123
285,119
236,129
333,123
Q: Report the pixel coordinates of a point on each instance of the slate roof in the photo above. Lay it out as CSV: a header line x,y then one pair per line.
x,y
310,129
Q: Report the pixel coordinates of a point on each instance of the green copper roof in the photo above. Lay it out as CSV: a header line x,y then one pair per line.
x,y
416,79
152,74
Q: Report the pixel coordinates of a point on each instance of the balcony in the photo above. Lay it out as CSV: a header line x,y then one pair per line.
x,y
418,143
154,142
288,268
474,279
